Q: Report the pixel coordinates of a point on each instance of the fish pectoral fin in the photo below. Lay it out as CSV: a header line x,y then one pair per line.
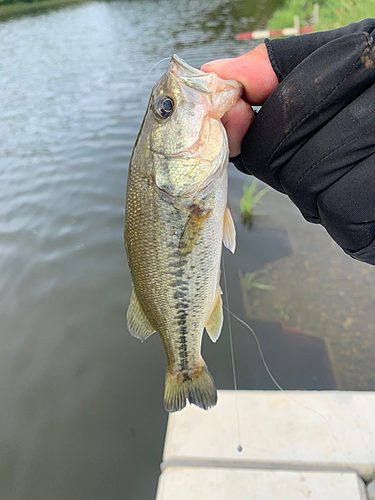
x,y
229,232
193,230
138,324
215,321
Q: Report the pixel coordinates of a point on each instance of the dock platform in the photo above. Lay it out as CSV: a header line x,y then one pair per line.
x,y
295,445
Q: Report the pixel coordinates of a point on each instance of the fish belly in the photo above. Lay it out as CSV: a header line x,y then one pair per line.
x,y
176,292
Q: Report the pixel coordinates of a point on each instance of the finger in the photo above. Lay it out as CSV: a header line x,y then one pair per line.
x,y
237,122
253,70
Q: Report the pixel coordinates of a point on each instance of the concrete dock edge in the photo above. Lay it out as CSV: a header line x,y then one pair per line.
x,y
298,444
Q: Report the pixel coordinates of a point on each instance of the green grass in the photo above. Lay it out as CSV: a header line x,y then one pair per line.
x,y
251,197
247,280
332,13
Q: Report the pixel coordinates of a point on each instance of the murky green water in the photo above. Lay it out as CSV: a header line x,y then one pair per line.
x,y
81,414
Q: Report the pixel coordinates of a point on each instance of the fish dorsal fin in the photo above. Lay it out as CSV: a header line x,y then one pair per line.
x,y
138,324
229,232
215,321
193,230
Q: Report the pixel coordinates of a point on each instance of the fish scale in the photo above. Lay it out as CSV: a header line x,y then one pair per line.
x,y
176,216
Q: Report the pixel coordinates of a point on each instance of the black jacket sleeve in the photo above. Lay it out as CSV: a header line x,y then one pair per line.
x,y
314,138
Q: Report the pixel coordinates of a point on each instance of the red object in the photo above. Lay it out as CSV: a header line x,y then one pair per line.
x,y
307,29
253,35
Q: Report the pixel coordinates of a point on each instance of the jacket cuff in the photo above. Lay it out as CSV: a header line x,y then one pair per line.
x,y
238,163
272,59
366,254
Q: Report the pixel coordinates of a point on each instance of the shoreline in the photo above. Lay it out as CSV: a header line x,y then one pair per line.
x,y
331,16
21,8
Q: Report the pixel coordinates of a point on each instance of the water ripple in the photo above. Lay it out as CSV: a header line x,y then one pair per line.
x,y
74,87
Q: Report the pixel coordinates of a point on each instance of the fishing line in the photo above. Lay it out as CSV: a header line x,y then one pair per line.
x,y
239,447
279,386
148,74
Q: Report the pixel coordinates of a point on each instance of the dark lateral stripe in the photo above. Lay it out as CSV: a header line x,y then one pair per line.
x,y
181,320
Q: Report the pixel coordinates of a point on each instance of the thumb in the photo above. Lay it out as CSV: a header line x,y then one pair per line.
x,y
253,70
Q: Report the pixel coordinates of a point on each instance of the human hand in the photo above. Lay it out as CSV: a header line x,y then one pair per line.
x,y
254,71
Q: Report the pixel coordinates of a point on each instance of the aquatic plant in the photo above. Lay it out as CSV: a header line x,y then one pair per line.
x,y
247,280
251,197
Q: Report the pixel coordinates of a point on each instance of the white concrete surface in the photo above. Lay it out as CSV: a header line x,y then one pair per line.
x,y
203,483
276,432
371,490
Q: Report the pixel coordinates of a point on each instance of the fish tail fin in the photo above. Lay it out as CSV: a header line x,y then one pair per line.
x,y
195,385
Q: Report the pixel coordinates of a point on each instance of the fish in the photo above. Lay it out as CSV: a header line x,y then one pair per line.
x,y
176,218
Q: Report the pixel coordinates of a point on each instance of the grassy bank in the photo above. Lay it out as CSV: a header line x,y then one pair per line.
x,y
332,13
8,10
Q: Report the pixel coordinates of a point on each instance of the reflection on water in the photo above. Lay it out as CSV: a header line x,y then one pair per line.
x,y
82,401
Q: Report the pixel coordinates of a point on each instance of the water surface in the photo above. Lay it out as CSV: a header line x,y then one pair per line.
x,y
81,413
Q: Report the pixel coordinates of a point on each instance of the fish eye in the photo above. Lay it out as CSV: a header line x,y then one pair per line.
x,y
163,107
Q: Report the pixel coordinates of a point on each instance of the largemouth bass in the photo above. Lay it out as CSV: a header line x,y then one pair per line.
x,y
176,219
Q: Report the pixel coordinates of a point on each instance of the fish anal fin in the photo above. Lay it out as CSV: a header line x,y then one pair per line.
x,y
193,229
229,232
215,321
196,386
138,324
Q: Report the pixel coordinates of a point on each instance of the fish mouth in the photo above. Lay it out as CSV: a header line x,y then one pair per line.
x,y
184,67
206,83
